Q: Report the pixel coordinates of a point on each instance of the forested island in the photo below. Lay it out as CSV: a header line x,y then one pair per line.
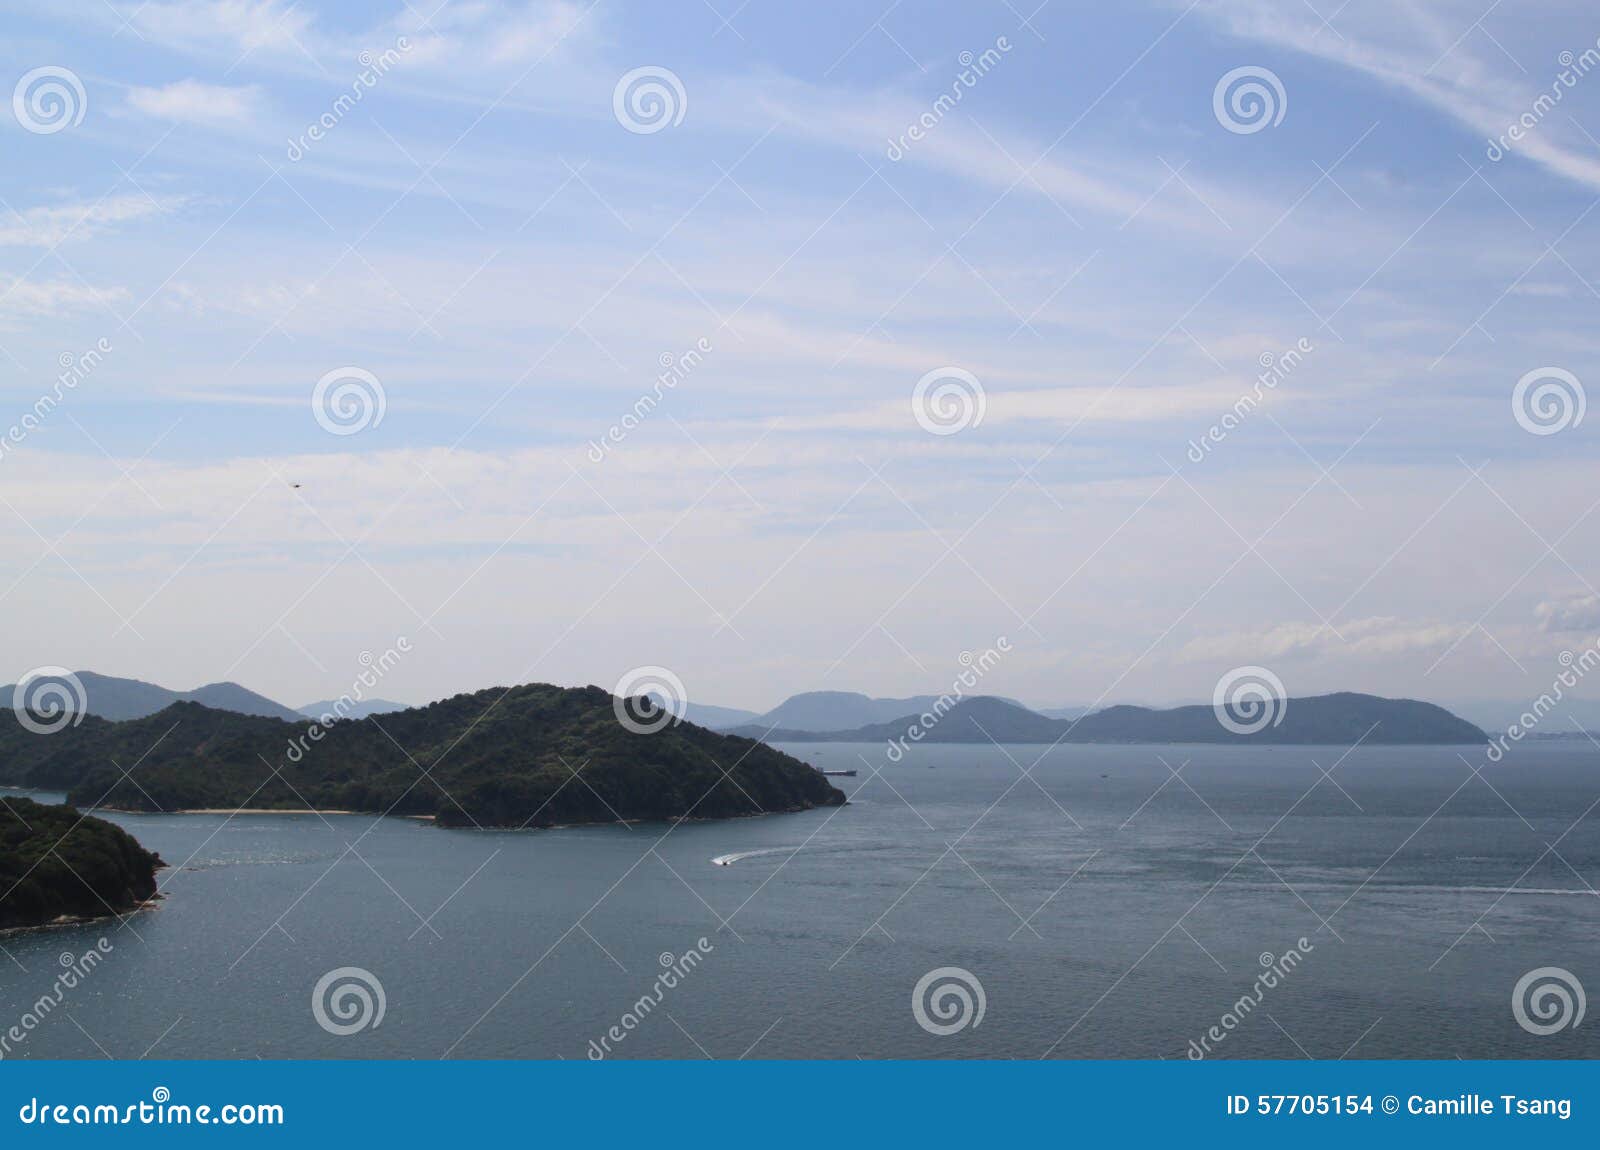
x,y
56,863
531,756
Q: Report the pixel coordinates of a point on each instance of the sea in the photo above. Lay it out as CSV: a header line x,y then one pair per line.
x,y
1148,902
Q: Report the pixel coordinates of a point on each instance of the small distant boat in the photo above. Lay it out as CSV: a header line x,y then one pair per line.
x,y
840,774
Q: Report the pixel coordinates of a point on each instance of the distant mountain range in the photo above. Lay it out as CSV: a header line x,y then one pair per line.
x,y
117,699
364,709
1343,718
847,716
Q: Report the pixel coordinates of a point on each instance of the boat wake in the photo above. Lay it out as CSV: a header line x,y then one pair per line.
x,y
740,856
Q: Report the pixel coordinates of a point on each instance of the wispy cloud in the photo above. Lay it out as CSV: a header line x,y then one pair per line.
x,y
194,102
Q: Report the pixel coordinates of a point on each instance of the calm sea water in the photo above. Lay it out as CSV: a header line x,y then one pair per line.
x,y
1107,908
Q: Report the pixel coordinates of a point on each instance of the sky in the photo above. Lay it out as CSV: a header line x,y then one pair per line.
x,y
966,308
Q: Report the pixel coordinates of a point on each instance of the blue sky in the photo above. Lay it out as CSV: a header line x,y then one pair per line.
x,y
1080,234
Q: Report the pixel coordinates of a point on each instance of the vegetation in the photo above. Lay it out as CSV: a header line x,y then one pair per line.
x,y
535,755
55,862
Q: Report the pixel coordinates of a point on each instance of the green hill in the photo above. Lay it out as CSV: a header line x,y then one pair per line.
x,y
55,862
535,755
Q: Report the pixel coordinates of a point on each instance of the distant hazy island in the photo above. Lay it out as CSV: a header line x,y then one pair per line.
x,y
535,755
56,863
1344,718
